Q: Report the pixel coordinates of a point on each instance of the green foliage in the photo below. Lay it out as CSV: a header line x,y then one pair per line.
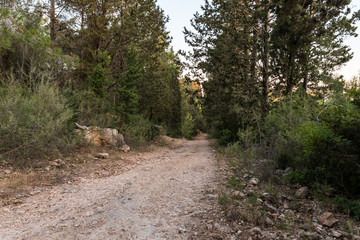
x,y
224,137
225,200
281,124
25,48
99,77
351,207
128,98
234,183
321,142
191,111
188,127
90,110
33,121
138,130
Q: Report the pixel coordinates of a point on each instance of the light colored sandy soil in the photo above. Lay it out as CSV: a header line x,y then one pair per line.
x,y
155,200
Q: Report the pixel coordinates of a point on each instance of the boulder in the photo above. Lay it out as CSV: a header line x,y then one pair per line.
x,y
101,136
327,219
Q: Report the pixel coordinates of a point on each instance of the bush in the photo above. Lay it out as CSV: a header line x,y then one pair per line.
x,y
188,127
351,207
321,142
33,121
281,125
138,130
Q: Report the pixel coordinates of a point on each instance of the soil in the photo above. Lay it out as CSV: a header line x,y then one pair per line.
x,y
156,197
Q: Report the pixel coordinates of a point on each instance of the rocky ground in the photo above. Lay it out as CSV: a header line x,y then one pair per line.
x,y
256,203
175,189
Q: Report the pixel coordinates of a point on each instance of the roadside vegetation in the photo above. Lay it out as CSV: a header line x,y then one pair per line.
x,y
272,95
104,64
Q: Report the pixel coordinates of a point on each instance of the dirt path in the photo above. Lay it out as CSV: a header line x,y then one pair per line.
x,y
155,200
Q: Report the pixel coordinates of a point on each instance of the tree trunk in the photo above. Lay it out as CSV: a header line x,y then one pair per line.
x,y
290,81
52,20
266,57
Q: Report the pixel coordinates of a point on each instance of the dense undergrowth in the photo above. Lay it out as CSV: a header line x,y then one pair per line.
x,y
317,138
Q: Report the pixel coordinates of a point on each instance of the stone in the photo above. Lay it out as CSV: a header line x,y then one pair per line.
x,y
288,170
254,231
270,207
7,171
57,163
103,155
125,148
302,192
336,234
309,235
254,181
54,164
327,219
236,193
268,221
101,136
280,172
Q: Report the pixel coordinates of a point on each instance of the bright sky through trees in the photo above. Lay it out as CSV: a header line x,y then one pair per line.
x,y
181,11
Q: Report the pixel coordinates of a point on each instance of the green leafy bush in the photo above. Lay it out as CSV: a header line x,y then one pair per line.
x,y
351,207
138,130
188,127
281,125
320,141
33,121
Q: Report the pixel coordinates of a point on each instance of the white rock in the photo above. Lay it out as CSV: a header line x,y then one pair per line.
x,y
336,234
254,181
125,148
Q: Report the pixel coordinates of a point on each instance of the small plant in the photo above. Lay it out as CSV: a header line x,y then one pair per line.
x,y
224,200
234,183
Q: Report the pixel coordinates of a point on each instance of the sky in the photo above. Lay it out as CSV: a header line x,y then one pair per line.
x,y
181,12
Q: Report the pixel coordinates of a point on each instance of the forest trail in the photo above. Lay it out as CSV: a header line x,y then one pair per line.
x,y
155,200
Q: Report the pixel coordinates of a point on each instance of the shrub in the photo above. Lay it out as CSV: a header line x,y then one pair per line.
x,y
188,127
138,130
351,207
320,142
281,125
33,121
